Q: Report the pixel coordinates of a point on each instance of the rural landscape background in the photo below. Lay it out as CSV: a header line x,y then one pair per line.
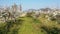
x,y
29,16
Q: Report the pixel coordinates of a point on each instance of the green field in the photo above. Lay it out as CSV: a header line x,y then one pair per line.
x,y
27,25
30,27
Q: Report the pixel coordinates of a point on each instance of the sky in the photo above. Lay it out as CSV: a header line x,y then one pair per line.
x,y
32,4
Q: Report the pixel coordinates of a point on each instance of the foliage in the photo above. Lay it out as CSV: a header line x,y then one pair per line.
x,y
53,30
30,14
53,19
11,27
29,25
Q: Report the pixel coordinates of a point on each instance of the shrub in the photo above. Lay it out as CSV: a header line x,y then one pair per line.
x,y
11,27
53,19
53,30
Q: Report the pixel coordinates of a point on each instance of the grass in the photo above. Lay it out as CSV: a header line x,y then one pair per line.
x,y
28,27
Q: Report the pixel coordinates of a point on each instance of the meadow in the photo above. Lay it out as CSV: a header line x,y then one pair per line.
x,y
30,25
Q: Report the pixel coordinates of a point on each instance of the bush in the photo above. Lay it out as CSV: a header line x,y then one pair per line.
x,y
53,19
53,30
11,27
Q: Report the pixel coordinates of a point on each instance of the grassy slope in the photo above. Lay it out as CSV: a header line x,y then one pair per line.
x,y
28,27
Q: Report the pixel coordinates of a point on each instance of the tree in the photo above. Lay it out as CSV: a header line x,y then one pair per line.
x,y
30,14
14,11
